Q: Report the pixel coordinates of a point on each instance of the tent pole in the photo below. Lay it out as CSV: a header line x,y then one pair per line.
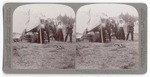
x,y
40,36
102,35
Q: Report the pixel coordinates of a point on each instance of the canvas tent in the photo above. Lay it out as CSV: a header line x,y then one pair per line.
x,y
34,23
92,25
96,21
26,18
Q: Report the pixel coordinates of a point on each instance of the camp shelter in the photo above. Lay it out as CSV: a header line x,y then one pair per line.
x,y
88,16
28,16
93,24
96,21
34,23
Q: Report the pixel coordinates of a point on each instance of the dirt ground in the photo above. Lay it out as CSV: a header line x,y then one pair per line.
x,y
118,54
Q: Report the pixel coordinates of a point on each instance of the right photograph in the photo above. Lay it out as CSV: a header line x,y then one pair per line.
x,y
107,37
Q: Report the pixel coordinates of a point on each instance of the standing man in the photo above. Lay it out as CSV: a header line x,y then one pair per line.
x,y
130,29
108,26
69,32
53,30
114,28
47,29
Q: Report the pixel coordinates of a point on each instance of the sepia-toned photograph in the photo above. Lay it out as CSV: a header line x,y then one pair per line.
x,y
107,37
98,36
44,37
75,38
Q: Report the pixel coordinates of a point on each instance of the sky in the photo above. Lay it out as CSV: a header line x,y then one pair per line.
x,y
95,11
21,14
33,12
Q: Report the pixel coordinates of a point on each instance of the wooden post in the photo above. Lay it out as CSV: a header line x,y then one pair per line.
x,y
102,35
40,36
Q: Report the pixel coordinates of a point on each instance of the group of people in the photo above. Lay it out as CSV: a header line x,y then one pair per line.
x,y
108,29
47,30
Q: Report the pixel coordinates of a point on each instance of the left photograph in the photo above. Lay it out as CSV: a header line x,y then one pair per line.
x,y
43,37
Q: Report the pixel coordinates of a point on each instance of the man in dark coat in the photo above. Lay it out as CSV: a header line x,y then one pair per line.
x,y
108,28
47,29
69,32
114,28
130,29
53,31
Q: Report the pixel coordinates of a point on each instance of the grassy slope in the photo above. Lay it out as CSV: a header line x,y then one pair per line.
x,y
118,54
59,55
56,55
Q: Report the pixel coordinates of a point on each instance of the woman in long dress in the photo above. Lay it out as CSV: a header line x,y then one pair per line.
x,y
121,34
60,32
